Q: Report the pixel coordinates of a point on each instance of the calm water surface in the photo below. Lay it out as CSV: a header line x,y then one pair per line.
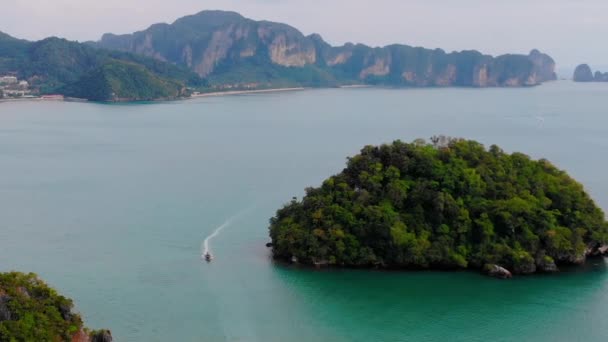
x,y
110,204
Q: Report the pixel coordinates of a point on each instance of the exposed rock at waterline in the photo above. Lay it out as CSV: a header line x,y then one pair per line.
x,y
498,272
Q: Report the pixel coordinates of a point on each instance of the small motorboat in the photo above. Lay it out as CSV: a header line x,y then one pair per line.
x,y
208,257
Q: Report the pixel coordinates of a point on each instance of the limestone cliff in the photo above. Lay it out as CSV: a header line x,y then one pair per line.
x,y
234,51
204,41
544,66
583,73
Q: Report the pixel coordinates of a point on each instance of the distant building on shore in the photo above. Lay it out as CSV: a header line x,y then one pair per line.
x,y
15,93
8,80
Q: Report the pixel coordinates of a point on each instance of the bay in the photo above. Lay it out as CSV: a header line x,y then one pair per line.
x,y
111,203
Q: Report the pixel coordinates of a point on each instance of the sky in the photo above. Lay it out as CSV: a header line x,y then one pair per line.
x,y
571,31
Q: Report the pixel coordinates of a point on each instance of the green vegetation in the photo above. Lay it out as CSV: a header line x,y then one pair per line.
x,y
258,71
123,81
217,51
447,204
32,311
55,65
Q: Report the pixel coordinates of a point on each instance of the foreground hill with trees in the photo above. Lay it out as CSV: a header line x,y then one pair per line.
x,y
449,204
32,311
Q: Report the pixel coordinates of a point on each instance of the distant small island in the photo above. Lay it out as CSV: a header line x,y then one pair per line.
x,y
583,73
447,204
32,311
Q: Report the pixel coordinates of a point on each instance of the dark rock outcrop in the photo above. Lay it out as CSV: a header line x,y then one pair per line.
x,y
66,312
498,272
5,313
570,258
101,336
525,268
95,336
546,264
597,250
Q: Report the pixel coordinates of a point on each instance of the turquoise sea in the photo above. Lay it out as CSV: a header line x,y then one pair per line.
x,y
111,203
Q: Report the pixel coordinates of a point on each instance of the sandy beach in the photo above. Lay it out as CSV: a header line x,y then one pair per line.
x,y
240,92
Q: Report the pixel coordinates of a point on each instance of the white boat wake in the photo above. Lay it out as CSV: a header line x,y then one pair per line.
x,y
205,248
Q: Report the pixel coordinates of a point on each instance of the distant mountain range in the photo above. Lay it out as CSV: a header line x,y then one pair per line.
x,y
216,50
235,51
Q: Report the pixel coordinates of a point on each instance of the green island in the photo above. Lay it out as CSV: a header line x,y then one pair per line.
x,y
445,204
32,311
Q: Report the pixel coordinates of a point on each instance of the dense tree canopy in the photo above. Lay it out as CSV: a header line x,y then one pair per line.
x,y
446,204
55,65
118,80
32,311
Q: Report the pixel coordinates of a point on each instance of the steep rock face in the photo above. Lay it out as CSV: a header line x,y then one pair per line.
x,y
102,336
217,49
286,45
546,264
480,76
544,66
376,63
583,73
226,47
5,313
498,272
97,336
205,40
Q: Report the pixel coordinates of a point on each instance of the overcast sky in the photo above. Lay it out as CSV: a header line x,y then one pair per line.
x,y
572,31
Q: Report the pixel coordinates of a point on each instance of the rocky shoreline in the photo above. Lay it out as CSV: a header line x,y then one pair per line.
x,y
492,270
242,92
